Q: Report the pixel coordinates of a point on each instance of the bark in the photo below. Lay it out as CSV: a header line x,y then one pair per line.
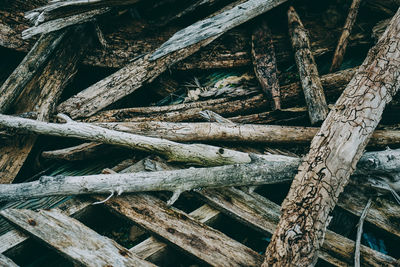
x,y
215,25
264,63
334,153
40,95
26,70
269,169
58,24
333,83
344,38
309,77
72,238
199,154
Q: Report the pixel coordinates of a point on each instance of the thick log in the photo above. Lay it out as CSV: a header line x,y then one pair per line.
x,y
333,83
264,63
262,215
344,38
199,154
205,243
334,153
309,77
266,169
27,69
215,25
40,95
58,24
228,132
73,239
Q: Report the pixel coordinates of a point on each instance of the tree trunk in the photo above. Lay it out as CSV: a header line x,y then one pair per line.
x,y
334,153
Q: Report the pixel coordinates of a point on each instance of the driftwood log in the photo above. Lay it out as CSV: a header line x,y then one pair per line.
x,y
334,153
265,169
309,77
344,38
199,154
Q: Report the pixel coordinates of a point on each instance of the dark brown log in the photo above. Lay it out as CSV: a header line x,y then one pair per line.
x,y
309,77
264,63
344,38
40,95
334,153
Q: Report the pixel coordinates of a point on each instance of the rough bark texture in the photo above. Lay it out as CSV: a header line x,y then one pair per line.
x,y
334,153
334,83
215,26
344,38
26,70
205,155
310,81
73,239
264,63
40,95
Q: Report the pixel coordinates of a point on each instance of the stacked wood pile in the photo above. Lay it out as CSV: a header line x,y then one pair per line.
x,y
194,120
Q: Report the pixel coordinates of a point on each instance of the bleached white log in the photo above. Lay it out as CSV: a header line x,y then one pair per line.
x,y
215,25
199,154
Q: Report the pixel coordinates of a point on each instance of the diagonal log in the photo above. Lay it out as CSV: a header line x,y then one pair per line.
x,y
334,153
309,77
215,25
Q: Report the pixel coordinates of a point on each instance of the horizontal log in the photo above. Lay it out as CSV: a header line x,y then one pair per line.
x,y
195,153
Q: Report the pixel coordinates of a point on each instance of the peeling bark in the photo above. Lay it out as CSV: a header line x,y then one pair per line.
x,y
334,153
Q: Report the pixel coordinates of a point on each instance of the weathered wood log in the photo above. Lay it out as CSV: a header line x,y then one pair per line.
x,y
359,233
215,26
309,77
228,132
334,152
333,83
5,261
80,152
264,170
262,215
58,24
205,243
26,70
344,38
40,95
73,239
264,63
205,155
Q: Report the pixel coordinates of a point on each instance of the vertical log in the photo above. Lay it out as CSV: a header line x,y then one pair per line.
x,y
310,81
344,38
334,153
264,63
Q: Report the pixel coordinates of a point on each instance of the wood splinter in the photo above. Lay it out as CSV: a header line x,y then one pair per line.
x,y
310,80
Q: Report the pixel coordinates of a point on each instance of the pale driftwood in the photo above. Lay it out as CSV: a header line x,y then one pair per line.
x,y
40,95
215,26
5,261
272,169
211,116
199,154
359,233
309,77
333,83
60,9
264,63
344,38
58,24
27,69
229,132
72,238
262,215
123,82
79,152
334,153
266,169
176,227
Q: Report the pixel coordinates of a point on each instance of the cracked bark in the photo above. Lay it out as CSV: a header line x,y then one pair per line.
x,y
334,153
